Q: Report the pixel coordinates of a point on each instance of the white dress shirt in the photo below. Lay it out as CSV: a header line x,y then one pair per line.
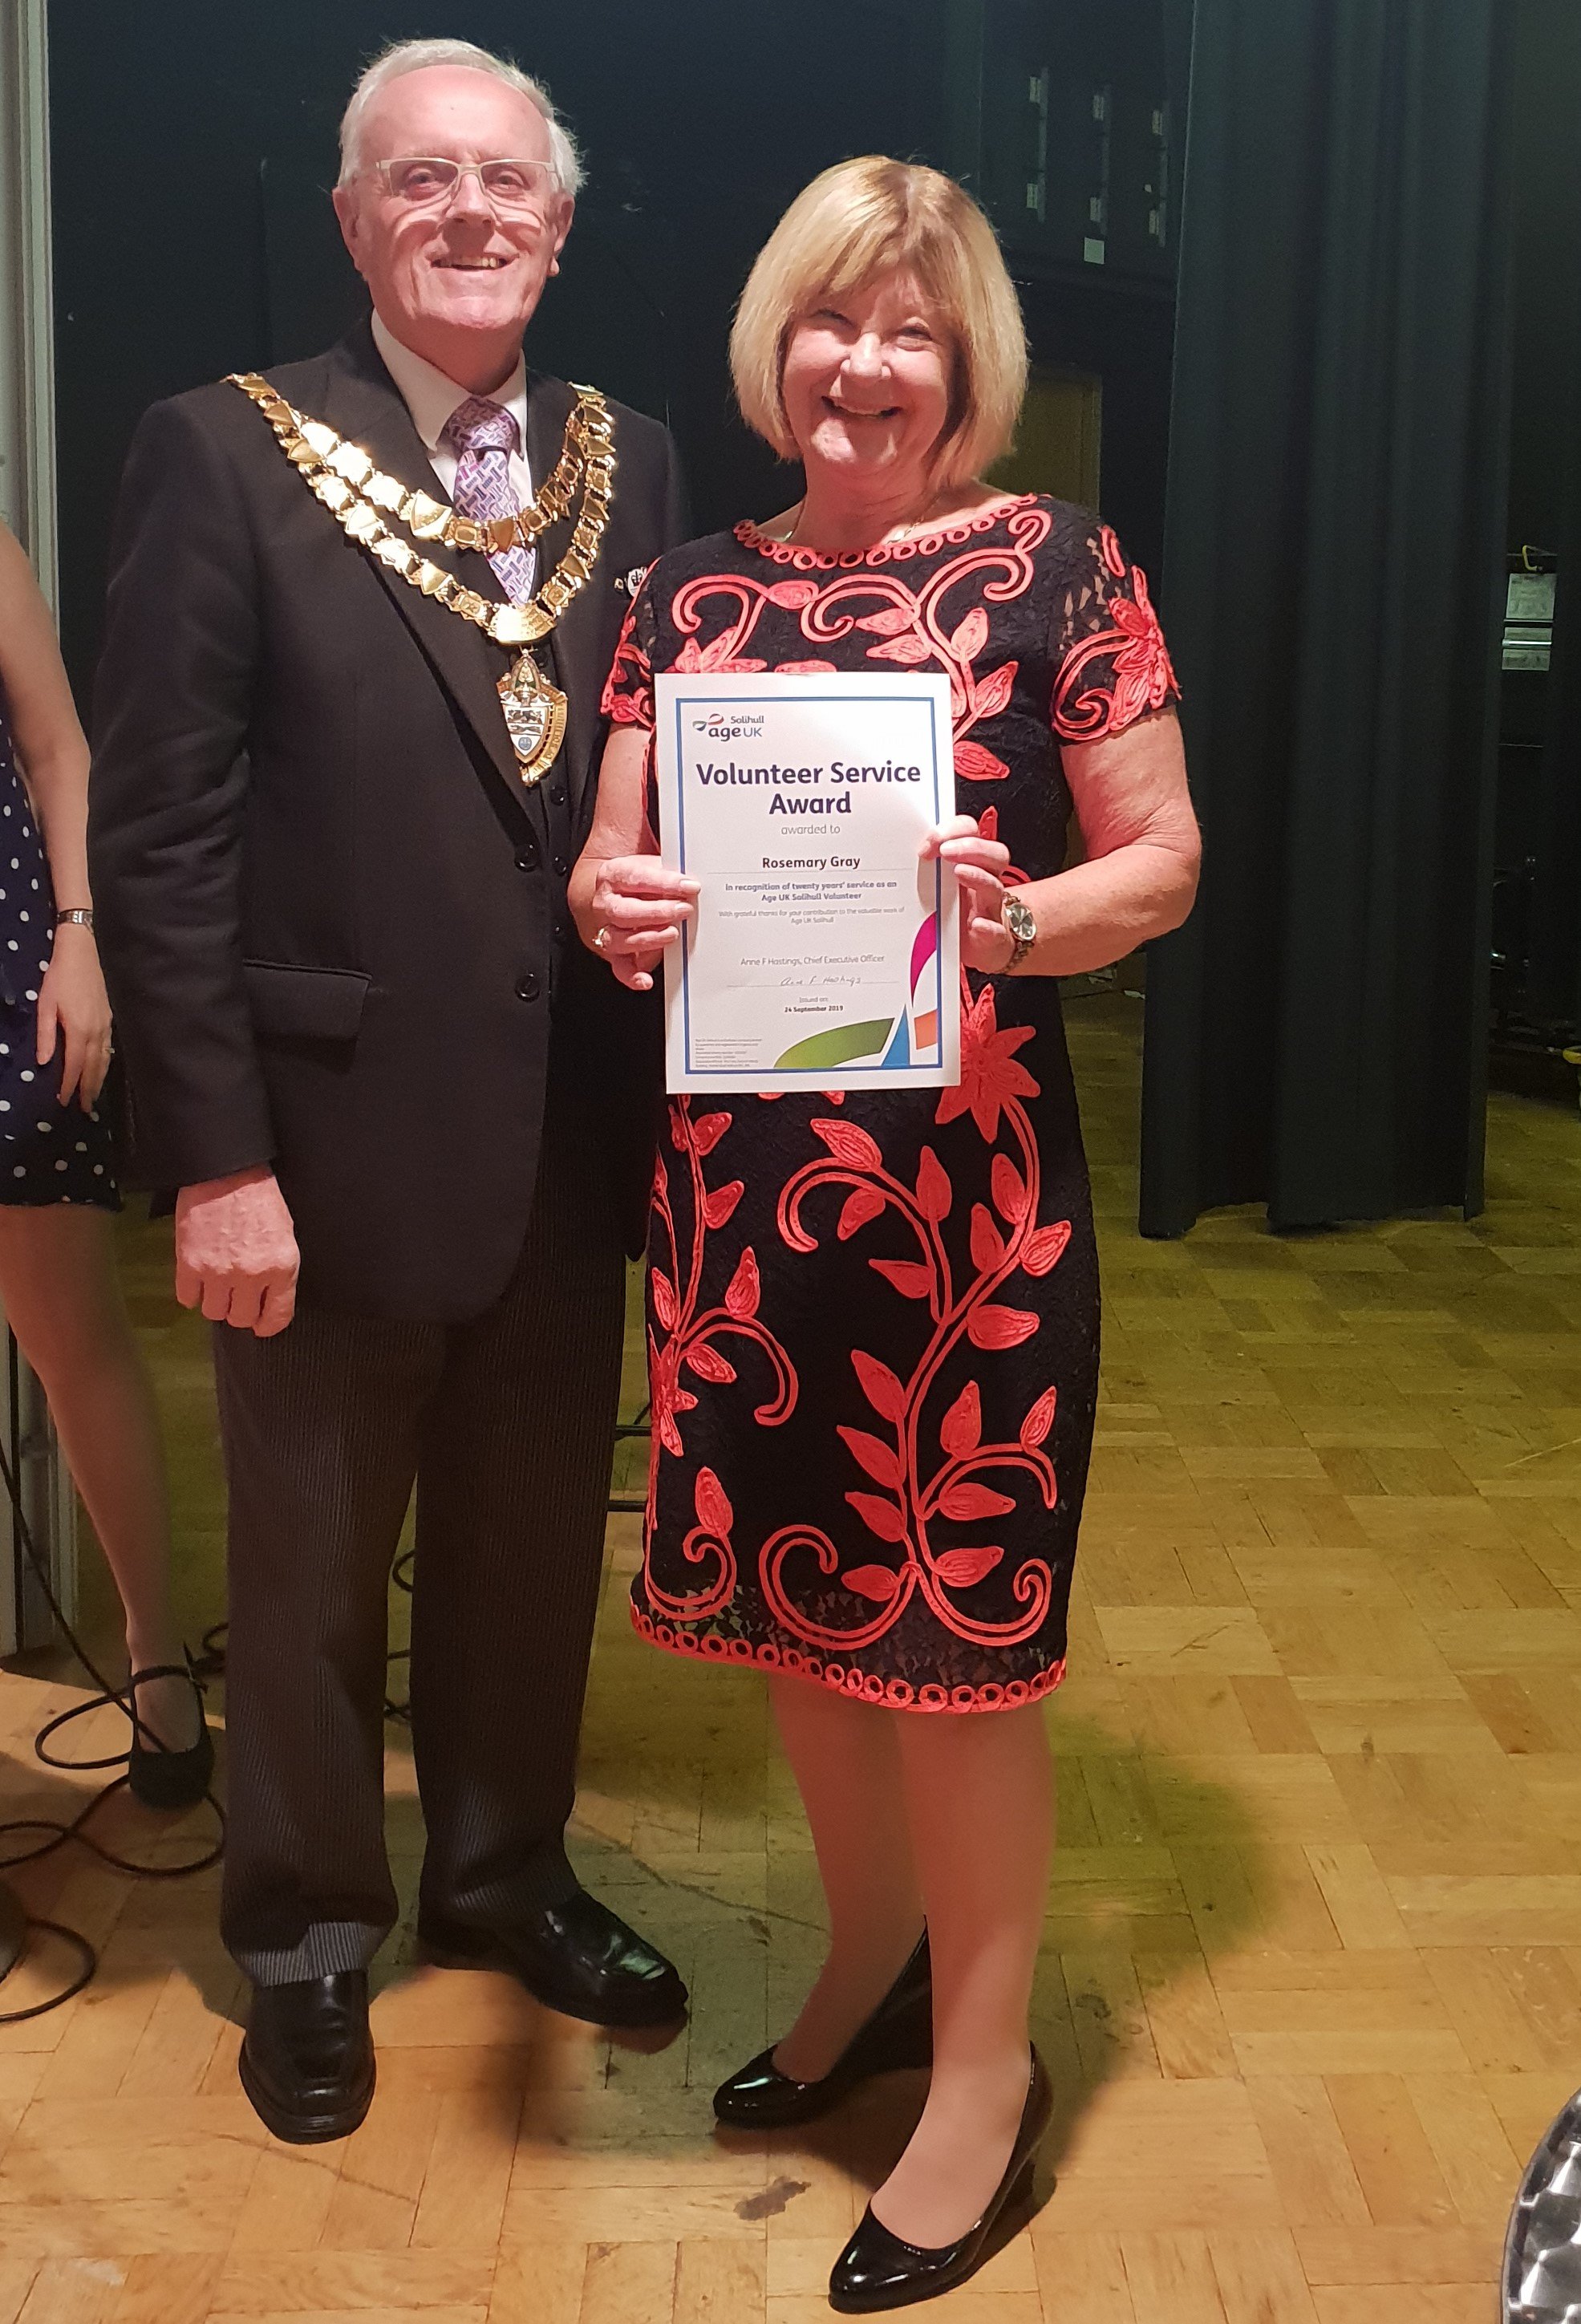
x,y
431,398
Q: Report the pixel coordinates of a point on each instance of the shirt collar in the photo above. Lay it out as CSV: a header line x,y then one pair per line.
x,y
430,397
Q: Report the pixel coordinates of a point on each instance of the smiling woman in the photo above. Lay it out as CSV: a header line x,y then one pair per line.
x,y
873,1317
928,311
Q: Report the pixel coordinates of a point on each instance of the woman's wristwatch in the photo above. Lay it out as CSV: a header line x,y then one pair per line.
x,y
1020,927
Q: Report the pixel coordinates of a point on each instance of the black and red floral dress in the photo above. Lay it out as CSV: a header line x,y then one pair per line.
x,y
873,1319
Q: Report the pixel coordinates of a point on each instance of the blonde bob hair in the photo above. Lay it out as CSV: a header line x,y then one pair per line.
x,y
863,219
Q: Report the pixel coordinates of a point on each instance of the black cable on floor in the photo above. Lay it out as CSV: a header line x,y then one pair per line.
x,y
56,1833
210,1664
84,1976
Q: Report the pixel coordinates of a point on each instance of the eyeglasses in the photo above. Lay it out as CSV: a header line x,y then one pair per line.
x,y
425,181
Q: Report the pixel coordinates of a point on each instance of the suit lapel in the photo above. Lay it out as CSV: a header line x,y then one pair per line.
x,y
364,405
548,407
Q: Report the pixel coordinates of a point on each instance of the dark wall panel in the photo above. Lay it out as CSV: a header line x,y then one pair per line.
x,y
193,146
1547,281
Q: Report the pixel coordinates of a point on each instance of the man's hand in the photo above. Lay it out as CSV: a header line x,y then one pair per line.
x,y
236,1254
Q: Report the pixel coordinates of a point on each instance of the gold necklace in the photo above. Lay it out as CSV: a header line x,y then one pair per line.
x,y
360,497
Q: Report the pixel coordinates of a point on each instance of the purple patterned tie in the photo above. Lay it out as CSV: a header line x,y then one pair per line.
x,y
484,435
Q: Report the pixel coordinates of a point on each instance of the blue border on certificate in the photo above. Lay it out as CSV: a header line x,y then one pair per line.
x,y
812,1072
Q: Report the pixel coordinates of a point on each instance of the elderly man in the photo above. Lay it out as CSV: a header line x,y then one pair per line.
x,y
348,723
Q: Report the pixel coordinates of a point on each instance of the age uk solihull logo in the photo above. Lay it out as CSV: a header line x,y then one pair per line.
x,y
730,726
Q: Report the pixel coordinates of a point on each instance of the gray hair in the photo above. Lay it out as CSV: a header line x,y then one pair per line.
x,y
415,56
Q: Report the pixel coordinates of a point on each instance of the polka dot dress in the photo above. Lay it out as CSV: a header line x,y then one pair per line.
x,y
49,1152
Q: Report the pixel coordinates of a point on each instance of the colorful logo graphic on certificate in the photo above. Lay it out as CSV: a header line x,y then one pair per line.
x,y
824,953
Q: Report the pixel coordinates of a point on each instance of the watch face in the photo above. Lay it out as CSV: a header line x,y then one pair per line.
x,y
1019,920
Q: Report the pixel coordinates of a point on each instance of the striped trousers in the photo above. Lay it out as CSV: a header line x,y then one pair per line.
x,y
504,1424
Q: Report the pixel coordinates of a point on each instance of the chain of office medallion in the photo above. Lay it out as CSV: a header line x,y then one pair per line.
x,y
359,496
429,519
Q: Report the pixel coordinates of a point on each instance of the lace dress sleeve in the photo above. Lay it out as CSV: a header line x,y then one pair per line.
x,y
628,697
1107,650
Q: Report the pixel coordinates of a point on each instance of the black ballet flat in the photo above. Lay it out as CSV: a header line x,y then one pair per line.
x,y
162,1778
898,2034
877,2270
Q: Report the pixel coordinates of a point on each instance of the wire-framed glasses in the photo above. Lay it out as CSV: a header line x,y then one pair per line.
x,y
426,181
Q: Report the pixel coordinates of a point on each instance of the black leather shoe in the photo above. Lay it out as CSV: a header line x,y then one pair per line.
x,y
162,1778
877,2270
898,2034
307,2060
578,1958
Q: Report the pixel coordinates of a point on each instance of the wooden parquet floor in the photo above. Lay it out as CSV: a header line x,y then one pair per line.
x,y
1311,1984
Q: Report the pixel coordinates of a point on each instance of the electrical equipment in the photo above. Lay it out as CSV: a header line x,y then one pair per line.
x,y
1529,619
1530,1027
12,1930
27,1439
1077,131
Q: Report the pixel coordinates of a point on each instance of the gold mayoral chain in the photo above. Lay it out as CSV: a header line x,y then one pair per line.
x,y
360,497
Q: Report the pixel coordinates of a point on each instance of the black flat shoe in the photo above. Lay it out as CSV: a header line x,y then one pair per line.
x,y
578,1958
307,2060
162,1778
877,2270
898,2034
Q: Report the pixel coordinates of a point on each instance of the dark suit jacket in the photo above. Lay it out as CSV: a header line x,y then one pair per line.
x,y
332,916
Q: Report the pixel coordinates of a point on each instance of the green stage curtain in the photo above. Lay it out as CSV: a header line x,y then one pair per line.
x,y
1333,588
1554,983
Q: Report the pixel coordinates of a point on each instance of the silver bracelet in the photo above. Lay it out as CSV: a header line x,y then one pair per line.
x,y
75,918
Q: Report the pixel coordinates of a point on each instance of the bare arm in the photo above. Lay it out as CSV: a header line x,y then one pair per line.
x,y
627,905
53,756
49,742
1139,878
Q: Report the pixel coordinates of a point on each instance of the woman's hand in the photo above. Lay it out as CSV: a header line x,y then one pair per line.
x,y
636,909
74,1009
979,864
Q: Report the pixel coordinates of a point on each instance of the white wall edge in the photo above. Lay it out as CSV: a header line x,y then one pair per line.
x,y
27,502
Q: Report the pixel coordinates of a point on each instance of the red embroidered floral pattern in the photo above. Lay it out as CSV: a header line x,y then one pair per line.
x,y
1089,701
1140,676
922,1484
628,695
684,1337
908,626
865,1686
883,552
872,1321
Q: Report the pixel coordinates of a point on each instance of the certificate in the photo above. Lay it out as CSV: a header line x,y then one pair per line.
x,y
824,955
